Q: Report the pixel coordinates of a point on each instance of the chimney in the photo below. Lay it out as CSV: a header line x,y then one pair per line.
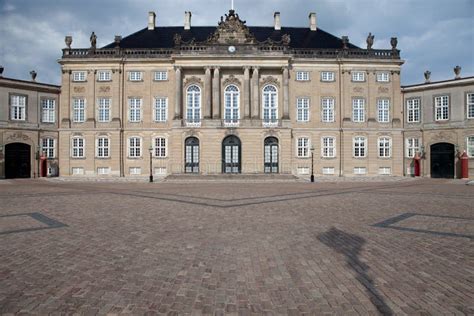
x,y
312,21
187,20
277,21
151,20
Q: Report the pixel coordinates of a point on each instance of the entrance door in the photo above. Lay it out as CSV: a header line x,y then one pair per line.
x,y
17,161
231,155
271,155
442,160
191,160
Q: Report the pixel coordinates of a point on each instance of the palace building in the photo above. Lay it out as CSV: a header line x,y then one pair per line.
x,y
230,98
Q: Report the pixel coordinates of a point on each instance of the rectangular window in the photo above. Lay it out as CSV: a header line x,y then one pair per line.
x,y
103,147
47,147
385,171
160,171
358,110
302,106
413,146
360,170
383,110
328,170
135,171
18,107
470,146
79,110
135,110
302,76
48,110
442,108
78,76
358,76
303,170
161,75
104,75
303,147
103,171
135,76
328,147
470,105
161,109
78,147
385,147
327,76
327,110
104,109
160,147
77,171
134,147
360,147
383,77
413,110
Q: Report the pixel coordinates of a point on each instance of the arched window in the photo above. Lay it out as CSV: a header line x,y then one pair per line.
x,y
193,105
270,105
232,105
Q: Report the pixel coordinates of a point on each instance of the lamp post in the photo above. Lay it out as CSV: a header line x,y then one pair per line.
x,y
151,163
312,164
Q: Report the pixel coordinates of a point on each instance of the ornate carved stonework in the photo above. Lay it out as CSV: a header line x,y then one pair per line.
x,y
383,90
232,30
270,80
79,89
18,136
192,80
231,80
359,89
104,89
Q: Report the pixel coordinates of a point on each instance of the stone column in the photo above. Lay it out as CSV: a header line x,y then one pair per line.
x,y
286,94
216,91
246,92
207,94
255,94
179,94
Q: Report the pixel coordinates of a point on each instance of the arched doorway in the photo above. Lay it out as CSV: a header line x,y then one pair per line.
x,y
270,155
442,160
191,153
231,155
17,161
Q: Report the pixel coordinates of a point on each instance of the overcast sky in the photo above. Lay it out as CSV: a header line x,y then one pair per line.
x,y
433,35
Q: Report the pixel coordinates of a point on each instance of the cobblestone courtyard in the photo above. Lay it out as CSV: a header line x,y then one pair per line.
x,y
346,248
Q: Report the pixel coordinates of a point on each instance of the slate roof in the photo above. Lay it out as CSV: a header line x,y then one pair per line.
x,y
162,37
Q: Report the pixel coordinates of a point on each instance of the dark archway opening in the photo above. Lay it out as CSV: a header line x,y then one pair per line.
x,y
17,161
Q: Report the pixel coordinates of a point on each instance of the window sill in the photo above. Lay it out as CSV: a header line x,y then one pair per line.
x,y
103,158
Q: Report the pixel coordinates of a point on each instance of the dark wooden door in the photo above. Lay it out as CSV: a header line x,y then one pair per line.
x,y
231,155
442,160
191,152
17,161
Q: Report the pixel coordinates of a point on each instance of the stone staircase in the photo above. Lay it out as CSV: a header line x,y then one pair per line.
x,y
255,178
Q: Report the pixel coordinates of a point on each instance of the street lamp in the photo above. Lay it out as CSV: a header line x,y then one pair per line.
x,y
151,163
312,164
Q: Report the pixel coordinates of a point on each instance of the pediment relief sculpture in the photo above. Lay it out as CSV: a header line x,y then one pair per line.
x,y
231,80
192,80
270,80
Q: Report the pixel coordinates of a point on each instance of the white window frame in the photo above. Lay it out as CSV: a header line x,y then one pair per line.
x,y
383,76
328,170
441,107
231,105
135,110
359,147
470,105
78,147
160,109
270,105
328,76
358,76
48,110
102,145
135,173
303,146
134,150
104,75
160,75
48,147
102,171
360,170
412,146
358,110
103,109
383,171
383,110
302,109
79,76
470,146
328,147
413,110
384,147
18,107
193,105
135,75
327,110
302,75
79,110
160,147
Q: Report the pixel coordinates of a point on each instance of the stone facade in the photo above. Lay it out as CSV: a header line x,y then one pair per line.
x,y
240,56
446,116
28,128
